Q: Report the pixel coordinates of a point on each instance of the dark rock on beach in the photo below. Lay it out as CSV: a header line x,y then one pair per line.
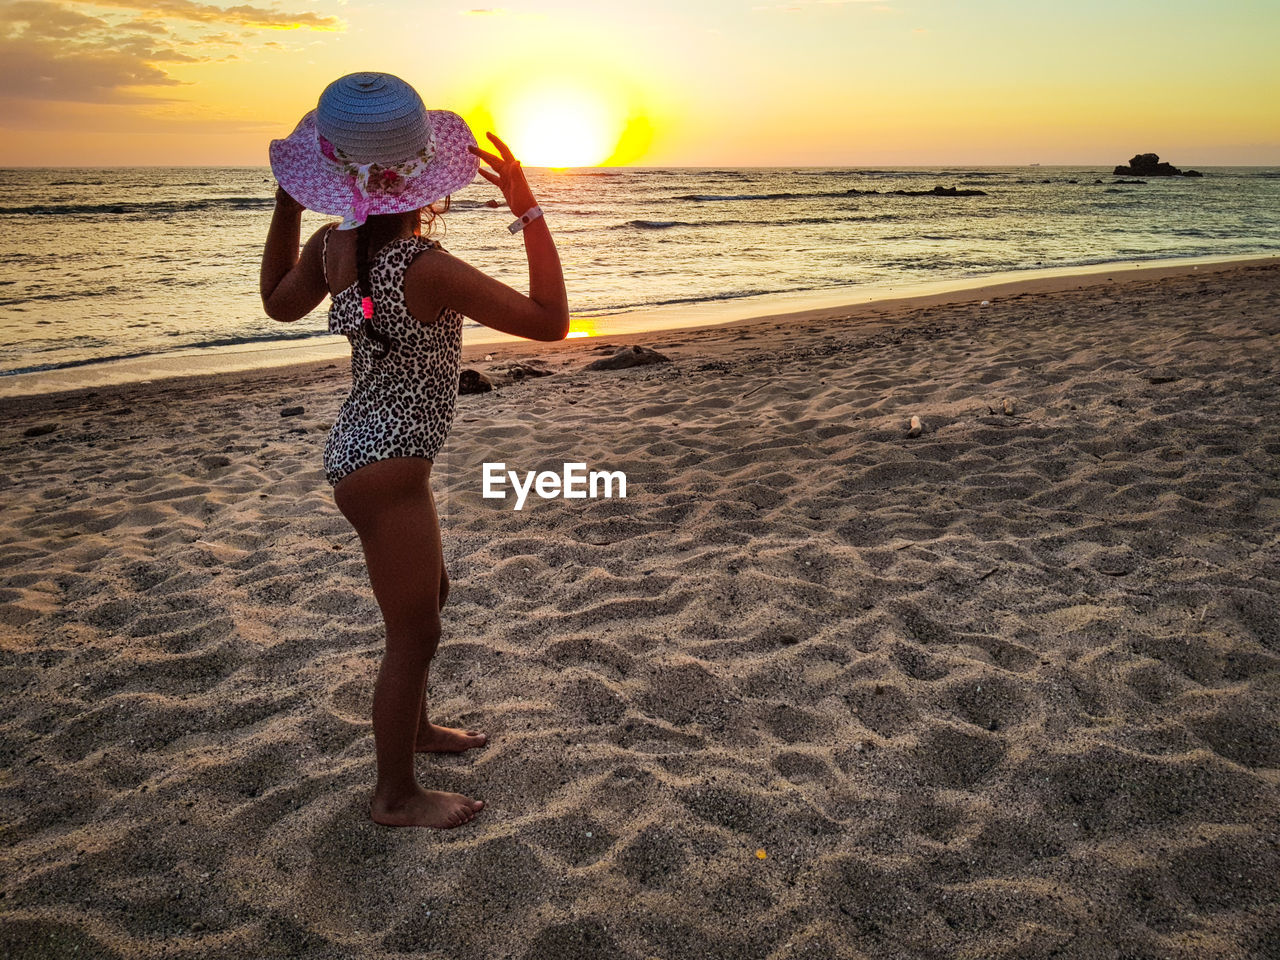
x,y
1150,165
473,381
633,356
40,430
519,370
292,411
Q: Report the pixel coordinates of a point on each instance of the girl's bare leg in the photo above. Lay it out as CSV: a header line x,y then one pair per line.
x,y
433,738
389,504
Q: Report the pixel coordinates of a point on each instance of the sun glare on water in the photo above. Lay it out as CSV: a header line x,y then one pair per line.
x,y
558,127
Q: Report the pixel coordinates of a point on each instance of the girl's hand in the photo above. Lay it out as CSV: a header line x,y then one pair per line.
x,y
286,202
508,176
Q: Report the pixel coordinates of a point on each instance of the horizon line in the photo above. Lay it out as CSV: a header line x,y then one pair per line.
x,y
629,166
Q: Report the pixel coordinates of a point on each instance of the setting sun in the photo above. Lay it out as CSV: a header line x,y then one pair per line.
x,y
559,126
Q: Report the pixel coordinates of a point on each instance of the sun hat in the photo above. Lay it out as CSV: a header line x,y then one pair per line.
x,y
370,146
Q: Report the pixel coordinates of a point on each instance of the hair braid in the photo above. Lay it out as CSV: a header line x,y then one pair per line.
x,y
381,340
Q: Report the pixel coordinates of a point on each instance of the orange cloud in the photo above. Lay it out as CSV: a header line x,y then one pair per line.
x,y
38,18
243,15
53,51
146,26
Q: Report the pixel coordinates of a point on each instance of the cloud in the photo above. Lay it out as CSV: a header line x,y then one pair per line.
x,y
243,15
44,71
146,26
501,12
38,18
53,51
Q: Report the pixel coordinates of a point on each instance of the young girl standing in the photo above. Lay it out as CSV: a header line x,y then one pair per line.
x,y
373,154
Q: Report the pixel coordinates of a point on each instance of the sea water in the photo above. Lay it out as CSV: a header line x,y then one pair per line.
x,y
102,264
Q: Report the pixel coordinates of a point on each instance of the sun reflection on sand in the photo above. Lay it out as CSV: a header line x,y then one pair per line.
x,y
582,327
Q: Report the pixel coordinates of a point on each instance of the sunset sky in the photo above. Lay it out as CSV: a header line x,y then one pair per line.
x,y
658,82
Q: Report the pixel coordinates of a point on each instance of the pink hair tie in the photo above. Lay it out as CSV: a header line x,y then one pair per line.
x,y
366,304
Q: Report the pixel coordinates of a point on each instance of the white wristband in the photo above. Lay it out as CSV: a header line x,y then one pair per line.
x,y
530,215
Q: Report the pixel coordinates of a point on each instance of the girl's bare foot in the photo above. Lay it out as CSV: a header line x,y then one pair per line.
x,y
425,808
434,739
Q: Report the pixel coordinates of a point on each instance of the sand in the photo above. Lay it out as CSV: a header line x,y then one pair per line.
x,y
815,689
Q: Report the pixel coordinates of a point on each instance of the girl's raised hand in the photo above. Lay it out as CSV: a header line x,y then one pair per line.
x,y
285,201
507,176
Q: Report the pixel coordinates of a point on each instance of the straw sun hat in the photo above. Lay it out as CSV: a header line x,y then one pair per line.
x,y
371,146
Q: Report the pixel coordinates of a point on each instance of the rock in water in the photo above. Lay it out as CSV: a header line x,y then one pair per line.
x,y
941,191
1150,165
633,356
473,381
938,191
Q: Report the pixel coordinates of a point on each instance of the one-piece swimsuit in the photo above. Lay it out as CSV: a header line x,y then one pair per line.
x,y
401,404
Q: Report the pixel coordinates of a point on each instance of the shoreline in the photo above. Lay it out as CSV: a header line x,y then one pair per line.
x,y
625,328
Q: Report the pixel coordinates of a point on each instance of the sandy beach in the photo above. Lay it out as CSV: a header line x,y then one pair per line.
x,y
817,688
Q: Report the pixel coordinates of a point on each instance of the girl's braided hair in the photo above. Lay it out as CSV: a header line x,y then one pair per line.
x,y
382,342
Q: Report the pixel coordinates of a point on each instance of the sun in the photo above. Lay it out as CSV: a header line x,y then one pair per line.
x,y
558,125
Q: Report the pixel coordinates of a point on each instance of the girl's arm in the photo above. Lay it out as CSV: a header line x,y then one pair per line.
x,y
450,282
291,286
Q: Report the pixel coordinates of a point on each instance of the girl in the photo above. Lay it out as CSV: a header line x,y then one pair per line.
x,y
373,154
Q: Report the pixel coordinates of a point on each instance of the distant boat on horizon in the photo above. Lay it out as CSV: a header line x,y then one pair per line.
x,y
1033,164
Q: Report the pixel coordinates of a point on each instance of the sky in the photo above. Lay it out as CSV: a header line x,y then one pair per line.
x,y
658,82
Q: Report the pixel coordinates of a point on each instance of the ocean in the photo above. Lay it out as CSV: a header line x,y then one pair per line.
x,y
103,264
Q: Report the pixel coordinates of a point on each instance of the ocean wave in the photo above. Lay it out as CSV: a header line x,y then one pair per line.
x,y
461,204
790,221
109,290
157,207
658,224
612,308
823,195
69,364
190,345
714,197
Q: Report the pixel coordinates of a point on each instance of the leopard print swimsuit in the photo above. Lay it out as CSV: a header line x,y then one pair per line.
x,y
401,405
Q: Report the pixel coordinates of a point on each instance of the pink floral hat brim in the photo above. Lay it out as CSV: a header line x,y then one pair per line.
x,y
319,183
